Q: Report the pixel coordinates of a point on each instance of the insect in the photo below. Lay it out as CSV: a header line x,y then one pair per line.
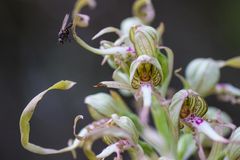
x,y
64,32
193,104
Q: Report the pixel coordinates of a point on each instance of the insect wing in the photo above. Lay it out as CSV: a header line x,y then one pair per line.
x,y
64,23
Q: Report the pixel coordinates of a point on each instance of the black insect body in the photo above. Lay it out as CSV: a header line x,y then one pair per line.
x,y
64,32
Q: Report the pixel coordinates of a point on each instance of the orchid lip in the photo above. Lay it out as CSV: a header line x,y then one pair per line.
x,y
203,126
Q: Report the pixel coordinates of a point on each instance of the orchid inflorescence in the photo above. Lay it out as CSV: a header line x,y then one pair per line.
x,y
184,123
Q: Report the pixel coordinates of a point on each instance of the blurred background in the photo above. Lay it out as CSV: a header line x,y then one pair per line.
x,y
31,59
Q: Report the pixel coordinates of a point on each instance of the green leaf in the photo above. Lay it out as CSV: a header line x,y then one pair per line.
x,y
146,148
186,146
164,126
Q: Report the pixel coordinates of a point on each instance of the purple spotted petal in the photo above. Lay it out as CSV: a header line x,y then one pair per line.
x,y
203,126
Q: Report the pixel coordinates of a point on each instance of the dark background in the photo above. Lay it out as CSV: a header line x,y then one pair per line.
x,y
31,60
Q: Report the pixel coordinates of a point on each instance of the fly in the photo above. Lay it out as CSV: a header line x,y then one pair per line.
x,y
64,32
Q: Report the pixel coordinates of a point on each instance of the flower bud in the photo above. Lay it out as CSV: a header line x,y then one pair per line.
x,y
145,69
145,39
202,75
126,124
188,108
102,105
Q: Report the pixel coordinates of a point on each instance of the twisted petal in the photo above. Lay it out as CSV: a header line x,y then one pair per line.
x,y
117,147
107,30
233,62
80,20
27,115
227,92
144,10
82,3
100,132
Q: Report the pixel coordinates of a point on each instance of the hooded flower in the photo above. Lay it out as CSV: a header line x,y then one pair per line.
x,y
119,133
188,109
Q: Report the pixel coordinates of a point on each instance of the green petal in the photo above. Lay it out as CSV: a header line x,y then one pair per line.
x,y
116,85
164,126
126,124
145,40
143,9
186,146
103,104
233,148
167,68
175,108
233,62
107,30
26,116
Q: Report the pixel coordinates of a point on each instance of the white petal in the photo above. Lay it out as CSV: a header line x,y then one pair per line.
x,y
203,126
108,151
147,95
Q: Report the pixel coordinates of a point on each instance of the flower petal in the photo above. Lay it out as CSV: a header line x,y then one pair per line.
x,y
103,104
27,115
144,10
203,126
233,62
81,20
107,30
116,85
175,107
226,88
108,151
233,148
126,124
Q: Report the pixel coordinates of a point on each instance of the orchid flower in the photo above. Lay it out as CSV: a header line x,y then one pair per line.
x,y
183,123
